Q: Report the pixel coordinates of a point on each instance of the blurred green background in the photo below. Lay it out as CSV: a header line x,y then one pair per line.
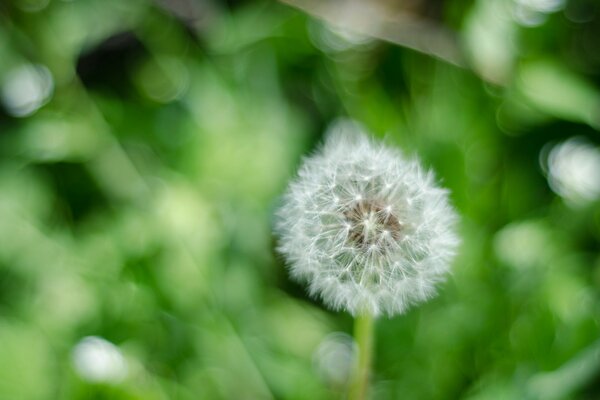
x,y
144,144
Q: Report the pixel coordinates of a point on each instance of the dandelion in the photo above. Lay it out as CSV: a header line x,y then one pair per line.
x,y
366,228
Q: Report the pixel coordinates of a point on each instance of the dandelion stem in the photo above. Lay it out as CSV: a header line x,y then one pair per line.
x,y
363,334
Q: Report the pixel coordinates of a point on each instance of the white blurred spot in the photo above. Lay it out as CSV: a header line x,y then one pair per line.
x,y
534,12
97,360
523,244
573,170
527,16
26,88
334,358
546,6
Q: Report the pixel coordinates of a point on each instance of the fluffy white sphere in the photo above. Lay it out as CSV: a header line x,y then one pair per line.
x,y
366,228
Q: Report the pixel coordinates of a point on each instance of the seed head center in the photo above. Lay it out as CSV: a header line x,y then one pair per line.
x,y
371,225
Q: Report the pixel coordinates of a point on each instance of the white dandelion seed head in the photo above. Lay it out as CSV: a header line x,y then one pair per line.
x,y
366,228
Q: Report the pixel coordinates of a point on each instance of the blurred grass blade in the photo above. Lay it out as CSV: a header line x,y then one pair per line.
x,y
375,19
569,378
554,90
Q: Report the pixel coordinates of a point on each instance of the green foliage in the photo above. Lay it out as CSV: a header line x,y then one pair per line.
x,y
140,168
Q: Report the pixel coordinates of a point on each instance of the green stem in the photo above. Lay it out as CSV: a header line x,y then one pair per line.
x,y
363,335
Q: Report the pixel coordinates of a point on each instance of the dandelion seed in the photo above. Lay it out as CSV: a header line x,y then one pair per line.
x,y
366,228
